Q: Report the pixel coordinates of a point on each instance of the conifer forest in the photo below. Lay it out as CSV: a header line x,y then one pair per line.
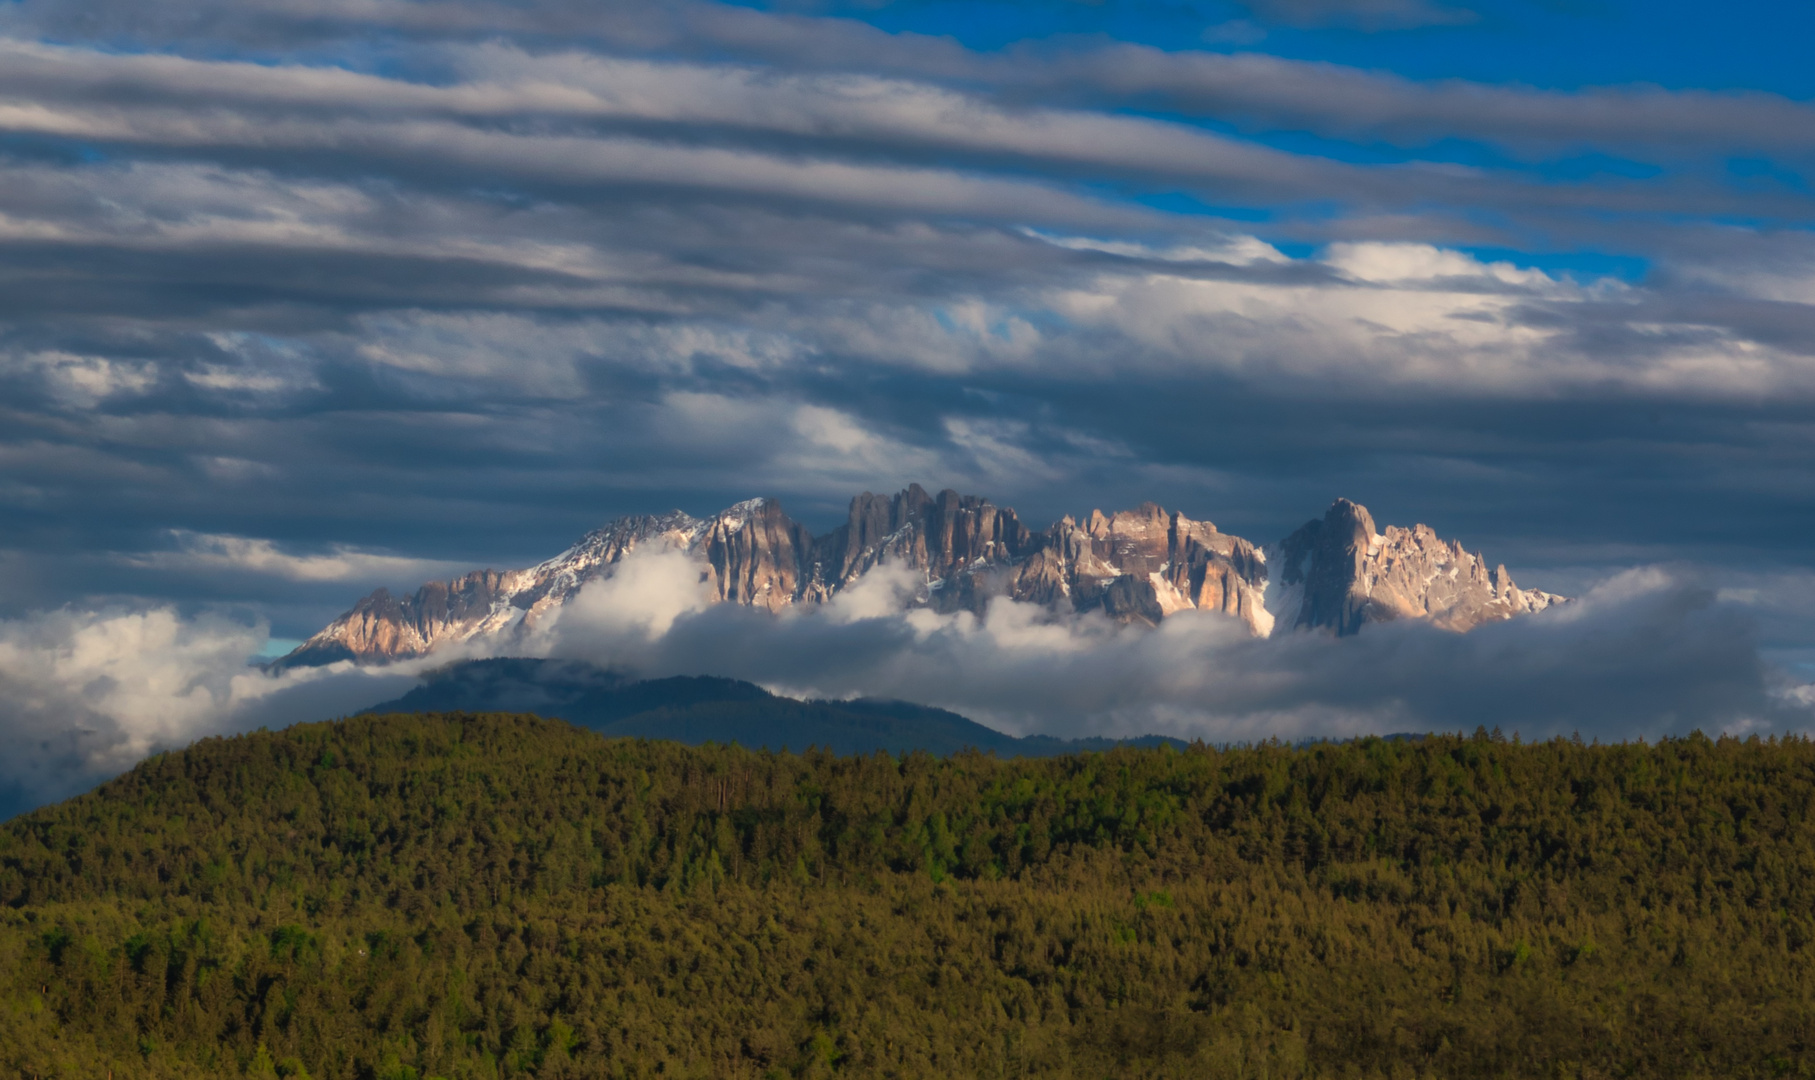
x,y
500,896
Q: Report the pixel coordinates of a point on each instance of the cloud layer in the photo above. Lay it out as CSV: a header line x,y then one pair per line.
x,y
85,695
300,300
1647,653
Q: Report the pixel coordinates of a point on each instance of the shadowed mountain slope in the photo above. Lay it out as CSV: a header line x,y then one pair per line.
x,y
701,709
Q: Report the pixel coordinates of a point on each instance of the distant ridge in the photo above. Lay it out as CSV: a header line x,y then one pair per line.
x,y
702,709
1336,573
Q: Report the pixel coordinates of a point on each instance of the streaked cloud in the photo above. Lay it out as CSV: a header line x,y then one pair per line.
x,y
296,300
202,552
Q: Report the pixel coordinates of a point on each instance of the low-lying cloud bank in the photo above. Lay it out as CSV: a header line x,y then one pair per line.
x,y
85,695
1650,652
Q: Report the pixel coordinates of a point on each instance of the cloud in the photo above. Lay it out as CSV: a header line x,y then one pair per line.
x,y
643,598
1353,104
209,553
86,694
1648,652
416,137
83,381
1385,263
1655,651
865,143
1393,318
359,291
1277,92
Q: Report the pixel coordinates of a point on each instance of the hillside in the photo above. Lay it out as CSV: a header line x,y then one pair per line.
x,y
696,709
501,896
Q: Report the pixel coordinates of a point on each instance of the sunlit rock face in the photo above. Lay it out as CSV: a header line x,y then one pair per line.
x,y
1145,564
1338,573
962,545
1142,565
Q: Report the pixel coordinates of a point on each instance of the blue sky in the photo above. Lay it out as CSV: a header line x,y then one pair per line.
x,y
300,300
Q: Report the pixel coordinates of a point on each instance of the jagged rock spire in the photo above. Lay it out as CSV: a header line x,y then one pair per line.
x,y
1140,565
1338,573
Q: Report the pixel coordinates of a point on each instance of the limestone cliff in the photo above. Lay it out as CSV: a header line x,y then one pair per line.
x,y
1338,573
1139,565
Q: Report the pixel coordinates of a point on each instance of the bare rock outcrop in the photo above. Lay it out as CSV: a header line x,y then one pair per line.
x,y
1140,565
1339,573
955,540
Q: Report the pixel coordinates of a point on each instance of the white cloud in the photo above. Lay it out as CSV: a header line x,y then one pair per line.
x,y
215,552
1235,249
997,451
768,443
552,357
842,448
882,592
641,600
903,188
1648,652
1377,261
1418,318
84,381
85,694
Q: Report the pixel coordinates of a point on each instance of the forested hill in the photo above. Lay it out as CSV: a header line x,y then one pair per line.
x,y
699,709
501,896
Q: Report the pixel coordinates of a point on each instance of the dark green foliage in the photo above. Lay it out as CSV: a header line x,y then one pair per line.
x,y
500,896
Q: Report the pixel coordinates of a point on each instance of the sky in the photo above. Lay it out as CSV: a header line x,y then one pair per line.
x,y
302,299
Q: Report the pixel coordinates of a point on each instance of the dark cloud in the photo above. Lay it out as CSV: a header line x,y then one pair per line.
x,y
1262,92
299,300
1253,89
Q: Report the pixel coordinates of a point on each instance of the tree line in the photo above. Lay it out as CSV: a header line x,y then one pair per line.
x,y
451,895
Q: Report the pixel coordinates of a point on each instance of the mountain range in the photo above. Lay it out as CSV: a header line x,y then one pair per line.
x,y
1336,573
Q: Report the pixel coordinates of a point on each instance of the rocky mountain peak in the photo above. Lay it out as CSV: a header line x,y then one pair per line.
x,y
1338,573
1139,565
1322,565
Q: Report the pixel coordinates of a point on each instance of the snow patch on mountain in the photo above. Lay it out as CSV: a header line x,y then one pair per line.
x,y
949,553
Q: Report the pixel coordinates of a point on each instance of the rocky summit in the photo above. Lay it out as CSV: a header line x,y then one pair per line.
x,y
1336,573
1339,573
